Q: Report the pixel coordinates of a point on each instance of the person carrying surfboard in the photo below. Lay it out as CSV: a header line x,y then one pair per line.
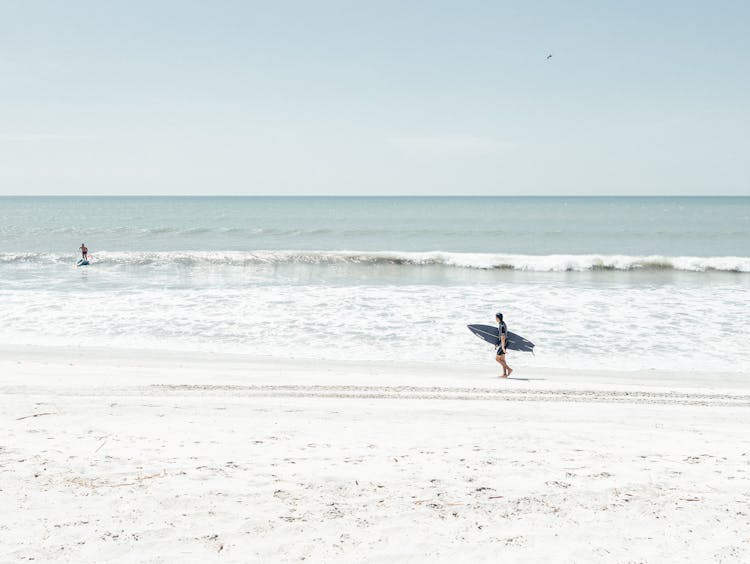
x,y
84,251
503,338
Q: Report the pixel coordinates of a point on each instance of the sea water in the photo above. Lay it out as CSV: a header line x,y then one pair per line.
x,y
607,283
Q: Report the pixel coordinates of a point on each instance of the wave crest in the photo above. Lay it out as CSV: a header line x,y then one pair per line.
x,y
481,261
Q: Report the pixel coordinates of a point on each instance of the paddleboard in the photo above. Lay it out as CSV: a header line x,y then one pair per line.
x,y
82,262
491,334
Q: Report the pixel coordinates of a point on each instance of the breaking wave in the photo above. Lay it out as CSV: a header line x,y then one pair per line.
x,y
481,261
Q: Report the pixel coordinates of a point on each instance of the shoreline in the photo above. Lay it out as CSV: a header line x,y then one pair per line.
x,y
83,366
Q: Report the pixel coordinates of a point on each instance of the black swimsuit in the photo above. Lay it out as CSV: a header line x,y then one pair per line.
x,y
501,330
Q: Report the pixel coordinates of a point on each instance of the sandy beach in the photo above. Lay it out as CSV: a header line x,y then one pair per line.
x,y
115,455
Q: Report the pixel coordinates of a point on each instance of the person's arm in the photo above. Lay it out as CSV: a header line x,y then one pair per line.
x,y
502,341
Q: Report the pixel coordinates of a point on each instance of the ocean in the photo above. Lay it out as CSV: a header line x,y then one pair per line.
x,y
597,283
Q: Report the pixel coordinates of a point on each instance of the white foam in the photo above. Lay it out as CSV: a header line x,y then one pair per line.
x,y
599,327
483,261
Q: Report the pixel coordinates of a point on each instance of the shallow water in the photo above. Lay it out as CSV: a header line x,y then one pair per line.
x,y
594,282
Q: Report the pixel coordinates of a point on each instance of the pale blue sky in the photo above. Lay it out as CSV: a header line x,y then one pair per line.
x,y
381,97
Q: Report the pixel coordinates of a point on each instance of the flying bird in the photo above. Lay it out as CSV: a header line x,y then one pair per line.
x,y
549,56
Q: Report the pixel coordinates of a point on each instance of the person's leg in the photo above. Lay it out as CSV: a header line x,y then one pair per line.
x,y
507,368
501,360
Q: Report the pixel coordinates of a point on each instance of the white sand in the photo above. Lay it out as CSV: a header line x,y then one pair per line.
x,y
162,457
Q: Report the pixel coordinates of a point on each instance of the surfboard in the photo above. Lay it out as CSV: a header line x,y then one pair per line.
x,y
82,262
491,334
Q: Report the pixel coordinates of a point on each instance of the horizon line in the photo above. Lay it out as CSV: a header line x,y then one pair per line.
x,y
374,195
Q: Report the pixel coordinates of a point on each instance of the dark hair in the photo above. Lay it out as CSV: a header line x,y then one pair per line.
x,y
499,316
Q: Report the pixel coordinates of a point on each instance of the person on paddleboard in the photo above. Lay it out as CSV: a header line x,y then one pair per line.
x,y
503,336
84,251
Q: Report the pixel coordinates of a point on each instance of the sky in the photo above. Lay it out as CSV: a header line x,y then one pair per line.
x,y
374,98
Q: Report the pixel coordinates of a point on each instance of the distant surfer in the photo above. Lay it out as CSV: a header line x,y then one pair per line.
x,y
503,336
84,251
